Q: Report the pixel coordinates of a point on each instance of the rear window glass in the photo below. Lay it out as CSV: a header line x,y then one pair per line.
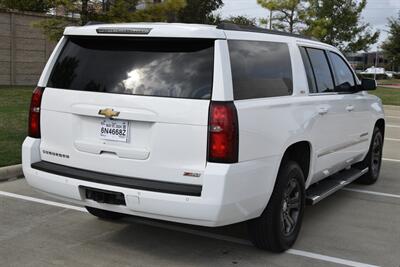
x,y
309,71
322,72
181,68
260,69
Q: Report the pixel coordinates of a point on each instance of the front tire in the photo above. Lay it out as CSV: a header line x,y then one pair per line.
x,y
105,214
278,226
373,160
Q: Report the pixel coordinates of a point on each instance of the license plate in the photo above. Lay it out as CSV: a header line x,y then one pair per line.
x,y
114,130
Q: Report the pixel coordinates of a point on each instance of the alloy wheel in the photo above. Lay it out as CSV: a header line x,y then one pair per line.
x,y
291,205
376,155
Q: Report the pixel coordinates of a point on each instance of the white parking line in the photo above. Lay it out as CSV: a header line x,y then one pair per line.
x,y
392,160
392,126
392,139
42,201
328,258
197,232
393,117
371,192
296,252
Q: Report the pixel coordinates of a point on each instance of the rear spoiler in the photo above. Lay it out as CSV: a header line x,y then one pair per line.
x,y
166,30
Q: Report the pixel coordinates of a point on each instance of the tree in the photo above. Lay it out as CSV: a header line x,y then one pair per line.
x,y
241,20
338,22
108,11
287,14
166,11
113,11
28,5
391,47
199,11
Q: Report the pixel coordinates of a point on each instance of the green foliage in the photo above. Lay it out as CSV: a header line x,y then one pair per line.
x,y
109,12
241,20
338,22
167,11
14,122
28,5
119,11
53,28
389,96
200,11
214,19
391,46
286,14
125,11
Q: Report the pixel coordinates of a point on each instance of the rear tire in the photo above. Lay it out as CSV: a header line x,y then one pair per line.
x,y
105,214
373,160
278,226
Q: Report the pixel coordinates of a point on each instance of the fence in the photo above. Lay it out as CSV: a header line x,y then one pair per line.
x,y
24,49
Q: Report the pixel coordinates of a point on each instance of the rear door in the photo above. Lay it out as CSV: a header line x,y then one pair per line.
x,y
329,131
135,107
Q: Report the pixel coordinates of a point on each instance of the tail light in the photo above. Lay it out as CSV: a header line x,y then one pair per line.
x,y
34,113
223,133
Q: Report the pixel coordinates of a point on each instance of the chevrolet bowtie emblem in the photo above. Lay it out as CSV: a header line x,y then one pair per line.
x,y
108,112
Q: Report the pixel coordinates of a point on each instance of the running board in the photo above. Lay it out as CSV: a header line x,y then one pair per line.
x,y
328,186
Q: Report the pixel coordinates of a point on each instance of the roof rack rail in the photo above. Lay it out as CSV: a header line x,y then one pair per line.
x,y
92,22
248,28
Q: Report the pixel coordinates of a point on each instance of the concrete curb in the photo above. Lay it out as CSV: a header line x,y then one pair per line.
x,y
391,107
9,172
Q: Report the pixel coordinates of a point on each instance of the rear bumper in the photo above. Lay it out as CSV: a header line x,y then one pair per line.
x,y
230,192
116,180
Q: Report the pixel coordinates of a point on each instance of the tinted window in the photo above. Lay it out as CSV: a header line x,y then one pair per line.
x,y
152,67
322,72
344,78
309,71
260,69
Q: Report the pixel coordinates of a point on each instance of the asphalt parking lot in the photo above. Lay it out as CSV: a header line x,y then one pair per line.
x,y
358,226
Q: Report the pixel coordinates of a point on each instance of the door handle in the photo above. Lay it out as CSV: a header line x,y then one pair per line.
x,y
350,108
323,110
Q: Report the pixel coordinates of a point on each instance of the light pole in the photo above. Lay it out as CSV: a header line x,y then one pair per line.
x,y
376,61
270,19
393,63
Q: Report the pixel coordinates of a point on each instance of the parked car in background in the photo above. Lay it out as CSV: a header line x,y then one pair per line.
x,y
377,71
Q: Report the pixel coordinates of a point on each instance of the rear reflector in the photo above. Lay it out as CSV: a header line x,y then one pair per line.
x,y
34,113
223,133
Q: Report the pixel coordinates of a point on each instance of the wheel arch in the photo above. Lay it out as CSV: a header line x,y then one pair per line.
x,y
380,123
299,152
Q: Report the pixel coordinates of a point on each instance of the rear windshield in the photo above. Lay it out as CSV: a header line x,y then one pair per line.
x,y
181,68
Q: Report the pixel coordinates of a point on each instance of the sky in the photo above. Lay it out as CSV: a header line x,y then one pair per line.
x,y
376,13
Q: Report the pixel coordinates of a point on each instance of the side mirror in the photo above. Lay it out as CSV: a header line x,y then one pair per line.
x,y
368,85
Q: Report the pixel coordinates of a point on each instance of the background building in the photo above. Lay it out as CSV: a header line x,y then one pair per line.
x,y
362,61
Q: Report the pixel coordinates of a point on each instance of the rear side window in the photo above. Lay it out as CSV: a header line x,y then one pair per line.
x,y
181,68
260,69
344,77
322,71
309,71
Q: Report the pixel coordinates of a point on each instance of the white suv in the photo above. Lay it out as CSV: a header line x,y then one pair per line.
x,y
201,125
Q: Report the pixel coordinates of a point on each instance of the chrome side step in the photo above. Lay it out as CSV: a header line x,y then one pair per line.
x,y
330,185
